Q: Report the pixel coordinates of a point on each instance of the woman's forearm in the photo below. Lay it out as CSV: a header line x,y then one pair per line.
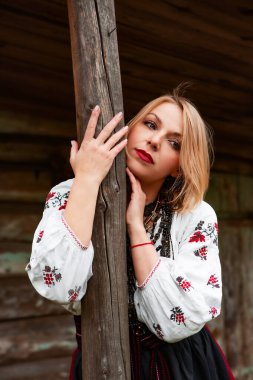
x,y
80,209
144,257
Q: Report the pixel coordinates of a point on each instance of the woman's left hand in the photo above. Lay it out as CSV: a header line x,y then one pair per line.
x,y
135,210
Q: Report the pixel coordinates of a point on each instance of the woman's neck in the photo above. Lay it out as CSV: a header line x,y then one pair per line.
x,y
151,191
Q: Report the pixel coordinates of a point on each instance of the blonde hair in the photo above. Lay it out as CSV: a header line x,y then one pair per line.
x,y
195,152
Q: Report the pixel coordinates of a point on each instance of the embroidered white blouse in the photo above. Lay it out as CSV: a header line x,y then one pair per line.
x,y
175,301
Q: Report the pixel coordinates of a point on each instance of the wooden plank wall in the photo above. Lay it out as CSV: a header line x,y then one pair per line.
x,y
37,336
231,196
161,44
37,122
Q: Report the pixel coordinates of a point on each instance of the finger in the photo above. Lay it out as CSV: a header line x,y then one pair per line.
x,y
73,150
129,171
107,130
116,137
132,179
118,148
131,175
131,182
92,123
135,183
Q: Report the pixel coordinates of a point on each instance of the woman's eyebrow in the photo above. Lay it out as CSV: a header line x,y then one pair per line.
x,y
175,134
158,118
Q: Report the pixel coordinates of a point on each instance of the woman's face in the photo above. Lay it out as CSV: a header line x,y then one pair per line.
x,y
154,144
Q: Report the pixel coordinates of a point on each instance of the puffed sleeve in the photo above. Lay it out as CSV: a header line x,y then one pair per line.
x,y
181,295
60,265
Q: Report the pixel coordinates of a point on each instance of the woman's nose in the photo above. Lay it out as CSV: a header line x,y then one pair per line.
x,y
155,141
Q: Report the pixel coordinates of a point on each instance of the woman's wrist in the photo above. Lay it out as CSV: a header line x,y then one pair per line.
x,y
136,229
83,181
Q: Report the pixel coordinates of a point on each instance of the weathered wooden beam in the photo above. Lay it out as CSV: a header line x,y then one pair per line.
x,y
97,81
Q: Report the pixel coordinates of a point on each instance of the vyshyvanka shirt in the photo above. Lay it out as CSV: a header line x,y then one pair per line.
x,y
177,298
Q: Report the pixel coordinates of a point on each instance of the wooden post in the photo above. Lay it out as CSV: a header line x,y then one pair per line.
x,y
97,80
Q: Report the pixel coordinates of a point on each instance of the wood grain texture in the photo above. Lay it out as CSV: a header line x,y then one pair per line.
x,y
160,46
36,339
30,125
50,369
236,241
97,81
230,195
20,300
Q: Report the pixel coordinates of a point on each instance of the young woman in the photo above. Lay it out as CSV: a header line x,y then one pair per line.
x,y
174,274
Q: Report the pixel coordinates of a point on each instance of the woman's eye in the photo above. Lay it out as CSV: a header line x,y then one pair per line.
x,y
175,145
150,124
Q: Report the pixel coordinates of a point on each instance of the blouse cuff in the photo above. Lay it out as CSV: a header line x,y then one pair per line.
x,y
71,232
144,283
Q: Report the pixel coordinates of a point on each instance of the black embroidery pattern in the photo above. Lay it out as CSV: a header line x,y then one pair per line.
x,y
177,315
73,293
201,253
56,199
184,284
213,281
158,330
202,232
50,276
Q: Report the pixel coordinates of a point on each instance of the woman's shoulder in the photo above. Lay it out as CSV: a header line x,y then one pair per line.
x,y
203,208
203,211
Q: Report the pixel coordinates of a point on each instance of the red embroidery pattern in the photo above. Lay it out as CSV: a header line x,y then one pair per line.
x,y
40,236
184,284
213,281
150,275
202,232
62,207
213,311
56,199
177,315
50,276
158,330
73,293
49,196
202,253
196,237
73,235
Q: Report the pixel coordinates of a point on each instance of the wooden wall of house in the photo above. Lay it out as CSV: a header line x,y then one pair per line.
x,y
36,336
160,46
231,195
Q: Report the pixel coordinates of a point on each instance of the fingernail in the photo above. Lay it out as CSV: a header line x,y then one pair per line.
x,y
96,108
119,114
126,127
71,142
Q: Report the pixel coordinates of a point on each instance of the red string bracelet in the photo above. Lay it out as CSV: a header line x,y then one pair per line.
x,y
139,245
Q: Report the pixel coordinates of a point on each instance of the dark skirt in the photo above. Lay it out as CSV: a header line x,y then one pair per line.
x,y
198,357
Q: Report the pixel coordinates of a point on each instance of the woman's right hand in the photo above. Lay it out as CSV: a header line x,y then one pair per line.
x,y
95,156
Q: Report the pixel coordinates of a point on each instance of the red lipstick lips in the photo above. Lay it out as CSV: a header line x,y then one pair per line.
x,y
144,156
